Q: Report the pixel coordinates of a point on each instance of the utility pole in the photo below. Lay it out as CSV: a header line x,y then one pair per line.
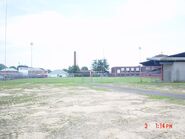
x,y
5,35
31,44
140,64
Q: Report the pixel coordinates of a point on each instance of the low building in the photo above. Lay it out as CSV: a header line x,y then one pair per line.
x,y
9,73
58,73
173,67
37,73
32,72
23,70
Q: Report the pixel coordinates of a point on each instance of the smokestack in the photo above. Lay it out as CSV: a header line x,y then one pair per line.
x,y
74,58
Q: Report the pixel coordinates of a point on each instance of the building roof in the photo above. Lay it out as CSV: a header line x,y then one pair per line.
x,y
36,69
161,55
22,66
150,63
9,69
153,62
177,57
156,60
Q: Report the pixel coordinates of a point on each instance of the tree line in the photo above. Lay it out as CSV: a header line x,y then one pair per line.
x,y
98,65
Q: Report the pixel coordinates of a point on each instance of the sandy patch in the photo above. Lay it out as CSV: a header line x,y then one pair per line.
x,y
80,112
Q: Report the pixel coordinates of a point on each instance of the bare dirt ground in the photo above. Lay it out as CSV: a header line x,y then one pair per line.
x,y
84,113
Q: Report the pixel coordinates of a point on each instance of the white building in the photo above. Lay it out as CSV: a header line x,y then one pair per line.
x,y
32,72
23,70
58,73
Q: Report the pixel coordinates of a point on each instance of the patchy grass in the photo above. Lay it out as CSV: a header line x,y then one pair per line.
x,y
99,89
168,99
12,100
157,97
178,88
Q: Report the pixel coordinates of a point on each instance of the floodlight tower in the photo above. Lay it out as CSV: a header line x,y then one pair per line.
x,y
31,58
5,35
139,62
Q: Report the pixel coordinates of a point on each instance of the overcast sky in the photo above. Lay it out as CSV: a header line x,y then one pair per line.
x,y
111,29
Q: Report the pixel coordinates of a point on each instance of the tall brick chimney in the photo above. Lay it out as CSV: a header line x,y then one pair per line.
x,y
74,58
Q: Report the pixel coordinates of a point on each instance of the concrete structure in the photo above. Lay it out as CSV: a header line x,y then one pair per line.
x,y
173,67
58,73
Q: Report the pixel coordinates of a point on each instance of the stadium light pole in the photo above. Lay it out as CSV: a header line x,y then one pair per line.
x,y
31,44
139,63
5,35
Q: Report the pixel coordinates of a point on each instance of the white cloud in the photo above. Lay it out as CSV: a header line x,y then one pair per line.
x,y
55,36
147,12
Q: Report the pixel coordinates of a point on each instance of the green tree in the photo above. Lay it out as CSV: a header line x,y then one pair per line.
x,y
12,67
84,68
73,69
66,70
2,67
49,71
100,65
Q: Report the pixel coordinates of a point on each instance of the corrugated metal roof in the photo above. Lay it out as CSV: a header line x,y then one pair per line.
x,y
150,63
177,59
178,55
154,61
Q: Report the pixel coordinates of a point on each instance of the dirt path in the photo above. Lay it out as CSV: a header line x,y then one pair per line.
x,y
141,91
83,113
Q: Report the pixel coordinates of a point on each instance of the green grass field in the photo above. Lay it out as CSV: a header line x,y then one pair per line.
x,y
81,81
144,83
132,82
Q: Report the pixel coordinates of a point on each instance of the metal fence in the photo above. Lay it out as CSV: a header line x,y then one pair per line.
x,y
151,71
89,74
17,75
